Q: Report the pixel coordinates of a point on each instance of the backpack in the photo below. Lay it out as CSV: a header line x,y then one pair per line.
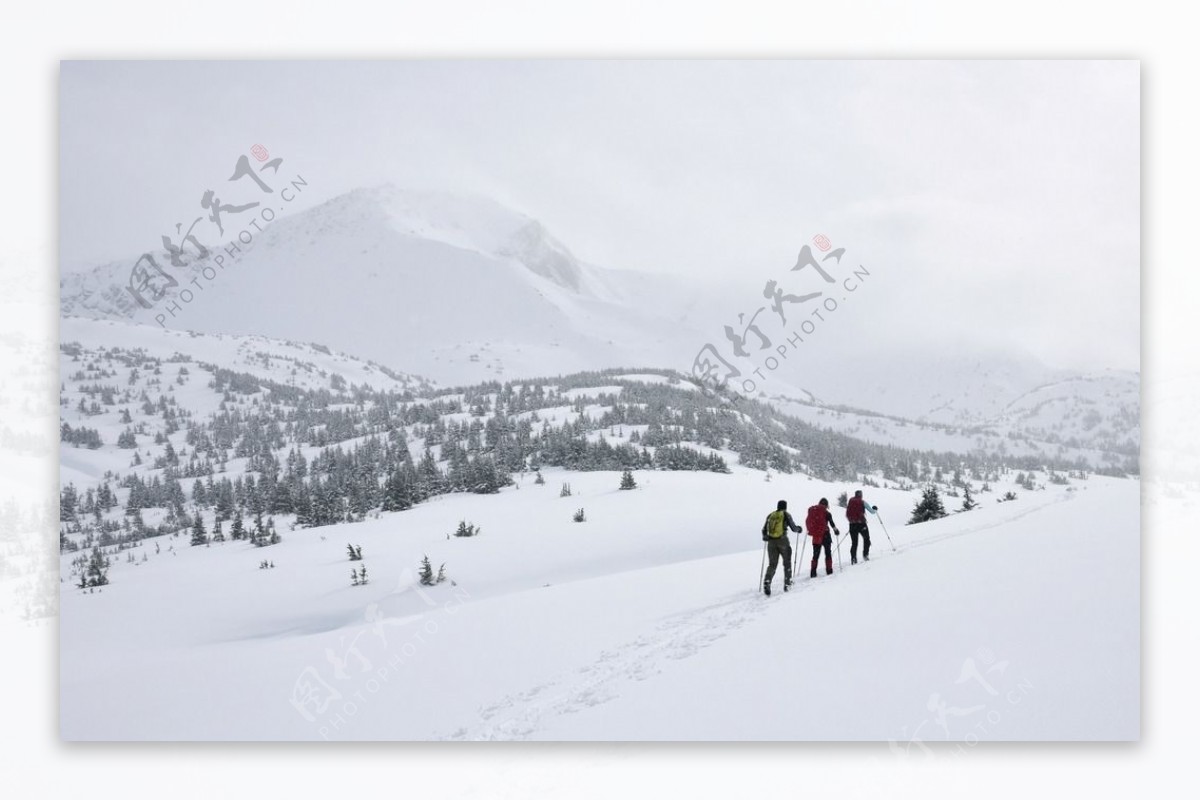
x,y
855,510
776,524
816,522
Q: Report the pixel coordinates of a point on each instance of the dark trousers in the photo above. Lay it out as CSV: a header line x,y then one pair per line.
x,y
779,549
855,530
817,555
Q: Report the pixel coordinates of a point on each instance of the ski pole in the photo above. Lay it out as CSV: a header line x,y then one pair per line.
x,y
838,540
885,532
762,569
800,556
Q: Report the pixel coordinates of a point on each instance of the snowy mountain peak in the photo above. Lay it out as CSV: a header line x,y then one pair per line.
x,y
535,248
465,221
472,222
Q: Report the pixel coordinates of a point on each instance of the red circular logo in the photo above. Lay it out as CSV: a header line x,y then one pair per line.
x,y
822,242
259,152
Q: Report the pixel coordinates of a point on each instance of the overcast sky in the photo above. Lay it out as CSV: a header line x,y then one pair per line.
x,y
996,201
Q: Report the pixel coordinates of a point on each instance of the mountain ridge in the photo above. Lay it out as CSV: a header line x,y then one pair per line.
x,y
461,289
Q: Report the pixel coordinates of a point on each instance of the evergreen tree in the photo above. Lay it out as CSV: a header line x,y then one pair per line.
x,y
579,516
237,531
106,497
929,507
466,529
68,502
199,536
565,492
843,500
484,478
968,499
398,489
539,479
627,481
425,574
97,569
429,477
223,499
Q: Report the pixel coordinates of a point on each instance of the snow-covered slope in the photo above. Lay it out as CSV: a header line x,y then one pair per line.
x,y
1090,417
545,628
939,384
1018,620
459,289
1103,409
304,365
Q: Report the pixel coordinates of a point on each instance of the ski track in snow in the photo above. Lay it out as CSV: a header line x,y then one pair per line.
x,y
520,716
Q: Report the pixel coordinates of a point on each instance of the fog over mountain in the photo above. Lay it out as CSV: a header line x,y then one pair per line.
x,y
995,200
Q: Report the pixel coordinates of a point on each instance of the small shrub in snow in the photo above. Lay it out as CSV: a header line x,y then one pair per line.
x,y
426,576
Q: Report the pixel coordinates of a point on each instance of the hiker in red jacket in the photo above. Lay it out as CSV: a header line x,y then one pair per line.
x,y
856,513
818,523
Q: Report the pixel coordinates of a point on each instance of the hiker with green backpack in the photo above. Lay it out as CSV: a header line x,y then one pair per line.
x,y
774,534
